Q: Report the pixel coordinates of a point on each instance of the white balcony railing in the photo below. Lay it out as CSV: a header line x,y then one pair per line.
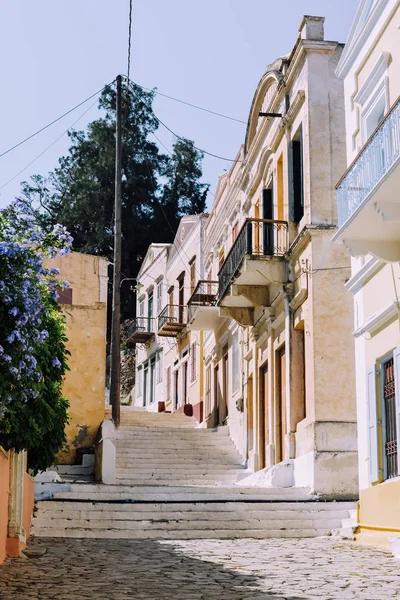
x,y
370,166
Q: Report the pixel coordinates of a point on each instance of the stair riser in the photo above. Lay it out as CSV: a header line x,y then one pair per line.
x,y
179,535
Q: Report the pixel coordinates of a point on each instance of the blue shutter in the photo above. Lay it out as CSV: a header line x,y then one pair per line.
x,y
396,362
373,468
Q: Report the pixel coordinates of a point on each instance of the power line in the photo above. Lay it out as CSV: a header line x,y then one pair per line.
x,y
48,147
55,121
212,112
234,160
129,38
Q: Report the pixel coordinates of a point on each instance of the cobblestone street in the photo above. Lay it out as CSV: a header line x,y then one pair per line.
x,y
323,569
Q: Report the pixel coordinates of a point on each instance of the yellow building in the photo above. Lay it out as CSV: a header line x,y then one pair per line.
x,y
369,228
85,307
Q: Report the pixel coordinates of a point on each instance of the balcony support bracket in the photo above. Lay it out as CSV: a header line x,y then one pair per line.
x,y
243,316
258,295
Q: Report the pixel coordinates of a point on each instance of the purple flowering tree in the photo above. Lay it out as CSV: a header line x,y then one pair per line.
x,y
33,354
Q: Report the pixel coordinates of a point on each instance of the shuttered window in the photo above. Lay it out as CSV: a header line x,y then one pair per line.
x,y
193,362
296,184
373,470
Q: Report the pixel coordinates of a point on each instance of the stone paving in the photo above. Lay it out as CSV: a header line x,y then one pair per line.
x,y
308,569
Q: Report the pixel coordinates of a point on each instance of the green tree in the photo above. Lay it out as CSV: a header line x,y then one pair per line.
x,y
157,190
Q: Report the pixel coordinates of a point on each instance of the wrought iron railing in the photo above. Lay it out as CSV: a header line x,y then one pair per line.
x,y
172,315
258,237
371,164
205,294
141,325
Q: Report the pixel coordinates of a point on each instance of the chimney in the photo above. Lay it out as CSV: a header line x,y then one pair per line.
x,y
312,28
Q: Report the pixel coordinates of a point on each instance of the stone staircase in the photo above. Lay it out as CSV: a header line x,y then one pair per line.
x,y
177,481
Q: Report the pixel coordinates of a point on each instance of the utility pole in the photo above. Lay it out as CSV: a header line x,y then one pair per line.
x,y
115,390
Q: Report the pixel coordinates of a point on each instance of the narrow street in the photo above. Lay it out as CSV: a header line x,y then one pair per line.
x,y
308,569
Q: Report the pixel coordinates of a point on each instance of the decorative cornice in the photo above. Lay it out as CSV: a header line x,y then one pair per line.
x,y
374,77
378,320
363,275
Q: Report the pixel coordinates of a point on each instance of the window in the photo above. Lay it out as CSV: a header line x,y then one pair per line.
x,y
169,383
209,278
64,295
221,258
192,275
139,382
159,367
296,191
159,297
141,308
235,363
235,231
383,420
193,362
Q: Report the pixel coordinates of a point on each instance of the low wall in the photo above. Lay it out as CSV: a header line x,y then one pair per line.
x,y
4,485
29,503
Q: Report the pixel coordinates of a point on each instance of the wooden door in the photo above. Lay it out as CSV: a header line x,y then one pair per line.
x,y
264,416
223,409
281,419
216,399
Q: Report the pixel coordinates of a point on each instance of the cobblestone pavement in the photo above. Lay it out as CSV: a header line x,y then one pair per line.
x,y
319,569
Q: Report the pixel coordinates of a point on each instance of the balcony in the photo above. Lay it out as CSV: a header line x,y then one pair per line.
x,y
367,195
172,320
254,262
203,313
141,330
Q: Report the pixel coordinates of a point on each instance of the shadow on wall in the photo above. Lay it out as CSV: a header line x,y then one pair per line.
x,y
144,569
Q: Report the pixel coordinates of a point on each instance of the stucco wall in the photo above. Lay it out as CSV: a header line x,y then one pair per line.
x,y
85,382
4,483
86,332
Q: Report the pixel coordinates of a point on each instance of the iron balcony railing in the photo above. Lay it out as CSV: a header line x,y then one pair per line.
x,y
205,294
257,238
370,165
172,319
141,325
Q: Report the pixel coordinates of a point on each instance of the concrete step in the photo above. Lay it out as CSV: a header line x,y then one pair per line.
x,y
142,465
160,534
177,461
179,472
184,524
162,442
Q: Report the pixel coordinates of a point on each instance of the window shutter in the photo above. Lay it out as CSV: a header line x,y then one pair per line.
x,y
373,470
291,181
268,228
396,361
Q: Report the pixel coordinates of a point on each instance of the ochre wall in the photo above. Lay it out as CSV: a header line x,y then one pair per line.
x,y
4,483
380,508
85,382
86,321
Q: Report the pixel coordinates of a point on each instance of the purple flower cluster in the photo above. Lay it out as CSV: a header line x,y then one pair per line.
x,y
25,288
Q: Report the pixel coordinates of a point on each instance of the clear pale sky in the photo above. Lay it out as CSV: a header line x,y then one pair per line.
x,y
55,53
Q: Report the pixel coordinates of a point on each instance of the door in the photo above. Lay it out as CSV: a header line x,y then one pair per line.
x,y
281,419
145,384
181,297
150,304
152,379
216,398
223,408
185,382
264,416
176,389
250,415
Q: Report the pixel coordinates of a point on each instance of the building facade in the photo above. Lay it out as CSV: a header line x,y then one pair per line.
x,y
84,304
268,311
169,355
368,208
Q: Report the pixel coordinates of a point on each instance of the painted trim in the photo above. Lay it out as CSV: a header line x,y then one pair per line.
x,y
374,77
368,270
360,38
378,320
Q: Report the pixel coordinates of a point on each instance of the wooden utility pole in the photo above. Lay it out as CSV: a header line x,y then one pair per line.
x,y
115,383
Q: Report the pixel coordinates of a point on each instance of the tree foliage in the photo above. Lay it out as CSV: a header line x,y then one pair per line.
x,y
33,354
157,190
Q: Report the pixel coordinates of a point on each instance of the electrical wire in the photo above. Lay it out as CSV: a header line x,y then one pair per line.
x,y
233,160
48,147
212,112
55,121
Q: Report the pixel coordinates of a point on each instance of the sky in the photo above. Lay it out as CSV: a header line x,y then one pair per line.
x,y
210,52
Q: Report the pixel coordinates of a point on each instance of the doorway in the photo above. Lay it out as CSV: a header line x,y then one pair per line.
x,y
264,416
176,389
223,409
281,418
